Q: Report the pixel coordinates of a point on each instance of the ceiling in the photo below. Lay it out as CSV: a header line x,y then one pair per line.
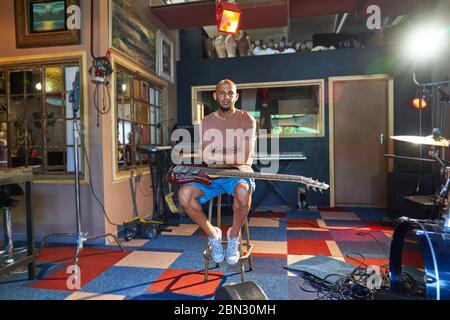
x,y
297,20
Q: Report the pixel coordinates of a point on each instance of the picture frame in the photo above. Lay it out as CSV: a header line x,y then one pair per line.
x,y
131,35
43,23
165,57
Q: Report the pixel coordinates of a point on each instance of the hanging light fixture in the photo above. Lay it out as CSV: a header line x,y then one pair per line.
x,y
227,16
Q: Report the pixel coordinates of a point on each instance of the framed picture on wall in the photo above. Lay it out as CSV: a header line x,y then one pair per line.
x,y
132,35
44,23
165,57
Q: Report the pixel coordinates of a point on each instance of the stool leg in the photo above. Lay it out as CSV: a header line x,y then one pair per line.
x,y
241,262
219,211
206,263
210,208
247,240
9,247
219,216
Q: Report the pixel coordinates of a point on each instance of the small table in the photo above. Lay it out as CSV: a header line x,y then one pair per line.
x,y
18,176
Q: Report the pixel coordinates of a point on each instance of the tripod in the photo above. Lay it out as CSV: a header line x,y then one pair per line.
x,y
79,236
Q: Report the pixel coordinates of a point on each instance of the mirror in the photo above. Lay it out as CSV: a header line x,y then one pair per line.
x,y
289,109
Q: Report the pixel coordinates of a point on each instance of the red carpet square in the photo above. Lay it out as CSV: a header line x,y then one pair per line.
x,y
308,247
269,214
186,282
92,263
378,227
302,223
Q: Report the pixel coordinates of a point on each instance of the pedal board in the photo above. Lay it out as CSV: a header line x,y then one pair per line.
x,y
141,228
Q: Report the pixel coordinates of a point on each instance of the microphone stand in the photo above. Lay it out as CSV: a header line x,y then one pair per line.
x,y
80,237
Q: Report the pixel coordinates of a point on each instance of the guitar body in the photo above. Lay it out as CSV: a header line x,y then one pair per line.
x,y
194,173
182,174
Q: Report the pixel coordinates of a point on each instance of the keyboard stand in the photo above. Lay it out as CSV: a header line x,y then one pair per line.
x,y
157,160
272,185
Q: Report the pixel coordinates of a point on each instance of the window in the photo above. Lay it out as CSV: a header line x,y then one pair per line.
x,y
139,117
36,117
290,109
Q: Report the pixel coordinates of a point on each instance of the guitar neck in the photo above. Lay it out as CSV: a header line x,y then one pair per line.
x,y
217,173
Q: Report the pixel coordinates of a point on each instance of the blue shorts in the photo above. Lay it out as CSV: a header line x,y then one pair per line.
x,y
220,186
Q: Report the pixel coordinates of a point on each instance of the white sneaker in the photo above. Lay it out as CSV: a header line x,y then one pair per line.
x,y
216,247
233,253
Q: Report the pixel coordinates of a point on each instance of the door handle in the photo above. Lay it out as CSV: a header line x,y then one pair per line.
x,y
382,138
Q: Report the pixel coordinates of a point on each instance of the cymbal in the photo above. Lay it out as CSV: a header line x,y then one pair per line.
x,y
429,140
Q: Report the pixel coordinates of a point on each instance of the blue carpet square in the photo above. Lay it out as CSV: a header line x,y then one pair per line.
x,y
176,243
125,281
192,259
304,214
167,296
267,234
369,249
263,265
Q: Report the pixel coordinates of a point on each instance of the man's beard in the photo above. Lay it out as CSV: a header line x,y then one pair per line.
x,y
224,110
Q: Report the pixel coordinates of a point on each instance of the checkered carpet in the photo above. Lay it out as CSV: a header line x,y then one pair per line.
x,y
171,266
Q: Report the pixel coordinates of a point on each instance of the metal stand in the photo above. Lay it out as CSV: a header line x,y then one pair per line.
x,y
10,251
80,236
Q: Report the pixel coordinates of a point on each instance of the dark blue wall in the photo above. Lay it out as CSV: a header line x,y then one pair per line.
x,y
193,70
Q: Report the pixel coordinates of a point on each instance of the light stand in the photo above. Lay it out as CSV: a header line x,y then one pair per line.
x,y
80,237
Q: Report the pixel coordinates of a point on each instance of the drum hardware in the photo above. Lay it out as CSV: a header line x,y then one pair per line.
x,y
432,140
409,158
420,251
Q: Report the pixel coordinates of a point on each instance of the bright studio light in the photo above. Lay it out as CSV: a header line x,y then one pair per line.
x,y
426,42
38,86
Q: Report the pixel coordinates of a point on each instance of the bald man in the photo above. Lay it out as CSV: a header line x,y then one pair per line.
x,y
228,136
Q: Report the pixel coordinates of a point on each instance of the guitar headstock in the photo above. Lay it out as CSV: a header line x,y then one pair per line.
x,y
316,185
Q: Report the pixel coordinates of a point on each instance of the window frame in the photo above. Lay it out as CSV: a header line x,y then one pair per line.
x,y
68,59
196,105
121,64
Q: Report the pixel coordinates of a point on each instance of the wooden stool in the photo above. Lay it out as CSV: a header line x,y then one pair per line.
x,y
247,244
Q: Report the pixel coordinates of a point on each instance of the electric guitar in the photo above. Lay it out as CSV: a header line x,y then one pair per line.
x,y
182,174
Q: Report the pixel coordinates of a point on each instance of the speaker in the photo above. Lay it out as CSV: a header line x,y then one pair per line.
x,y
241,291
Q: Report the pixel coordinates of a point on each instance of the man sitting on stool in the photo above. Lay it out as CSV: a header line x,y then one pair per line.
x,y
228,137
